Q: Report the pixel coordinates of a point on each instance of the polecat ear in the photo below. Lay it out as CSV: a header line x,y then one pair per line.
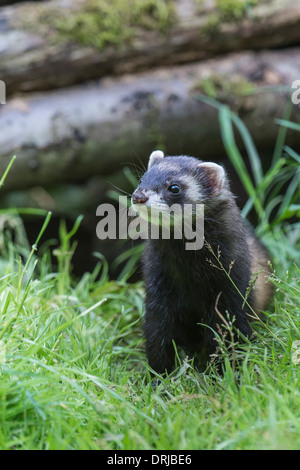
x,y
154,157
215,176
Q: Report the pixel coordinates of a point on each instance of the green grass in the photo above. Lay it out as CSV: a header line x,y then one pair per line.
x,y
72,363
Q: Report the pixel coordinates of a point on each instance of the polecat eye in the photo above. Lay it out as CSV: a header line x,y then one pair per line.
x,y
174,188
141,180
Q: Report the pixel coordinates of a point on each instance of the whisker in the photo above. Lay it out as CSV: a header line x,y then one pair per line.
x,y
119,189
138,170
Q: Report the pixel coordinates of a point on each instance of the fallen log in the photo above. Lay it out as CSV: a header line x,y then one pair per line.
x,y
70,134
10,2
46,45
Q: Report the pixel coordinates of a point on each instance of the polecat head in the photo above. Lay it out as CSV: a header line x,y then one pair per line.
x,y
179,180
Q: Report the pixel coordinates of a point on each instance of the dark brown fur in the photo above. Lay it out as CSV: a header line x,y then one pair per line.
x,y
186,290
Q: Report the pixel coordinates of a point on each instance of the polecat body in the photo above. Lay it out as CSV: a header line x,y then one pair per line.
x,y
187,289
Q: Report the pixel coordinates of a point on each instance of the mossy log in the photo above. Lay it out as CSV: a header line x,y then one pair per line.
x,y
70,134
53,44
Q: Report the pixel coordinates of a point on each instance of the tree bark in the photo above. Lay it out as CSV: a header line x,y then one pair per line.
x,y
71,134
10,2
32,59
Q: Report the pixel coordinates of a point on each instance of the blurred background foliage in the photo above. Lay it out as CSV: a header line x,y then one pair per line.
x,y
92,87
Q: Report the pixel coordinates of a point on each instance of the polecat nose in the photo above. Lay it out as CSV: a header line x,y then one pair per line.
x,y
139,198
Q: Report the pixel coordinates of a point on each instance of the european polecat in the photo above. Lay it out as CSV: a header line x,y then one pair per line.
x,y
188,289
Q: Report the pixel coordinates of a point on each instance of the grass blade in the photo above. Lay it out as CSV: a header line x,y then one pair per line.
x,y
290,125
253,155
6,171
281,136
236,157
